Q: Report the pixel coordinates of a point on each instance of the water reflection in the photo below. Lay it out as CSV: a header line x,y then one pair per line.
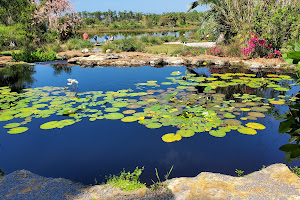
x,y
17,77
60,68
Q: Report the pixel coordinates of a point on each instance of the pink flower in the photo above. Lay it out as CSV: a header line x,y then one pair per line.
x,y
278,53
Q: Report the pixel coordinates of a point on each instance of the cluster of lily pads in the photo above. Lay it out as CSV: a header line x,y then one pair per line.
x,y
182,105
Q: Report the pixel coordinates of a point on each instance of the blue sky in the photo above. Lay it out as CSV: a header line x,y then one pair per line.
x,y
145,6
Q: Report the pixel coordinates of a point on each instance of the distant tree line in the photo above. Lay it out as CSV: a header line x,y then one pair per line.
x,y
130,20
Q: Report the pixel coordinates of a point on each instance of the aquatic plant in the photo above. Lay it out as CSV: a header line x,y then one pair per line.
x,y
73,83
193,105
240,173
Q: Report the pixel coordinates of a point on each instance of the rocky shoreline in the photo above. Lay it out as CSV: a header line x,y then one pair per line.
x,y
138,59
273,182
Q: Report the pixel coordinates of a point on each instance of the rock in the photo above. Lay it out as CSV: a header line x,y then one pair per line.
x,y
222,63
273,182
108,51
174,61
135,62
73,60
187,61
196,62
85,51
157,61
26,185
256,65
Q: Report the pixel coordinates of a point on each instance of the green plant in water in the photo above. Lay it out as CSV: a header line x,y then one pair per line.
x,y
127,181
240,173
296,170
157,185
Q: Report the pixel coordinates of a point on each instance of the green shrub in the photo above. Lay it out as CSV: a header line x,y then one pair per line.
x,y
127,181
150,40
37,56
130,44
169,38
56,47
9,34
293,56
108,46
77,44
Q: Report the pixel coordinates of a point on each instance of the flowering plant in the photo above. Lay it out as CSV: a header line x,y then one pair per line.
x,y
73,83
215,51
260,47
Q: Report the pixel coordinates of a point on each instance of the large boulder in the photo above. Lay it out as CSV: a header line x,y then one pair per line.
x,y
273,182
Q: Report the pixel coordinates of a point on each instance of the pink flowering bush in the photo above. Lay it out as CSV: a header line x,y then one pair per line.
x,y
260,47
215,51
58,15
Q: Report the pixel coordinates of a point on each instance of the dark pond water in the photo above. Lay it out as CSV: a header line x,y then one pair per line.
x,y
87,150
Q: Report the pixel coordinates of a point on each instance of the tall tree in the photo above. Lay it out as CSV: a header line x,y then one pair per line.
x,y
58,15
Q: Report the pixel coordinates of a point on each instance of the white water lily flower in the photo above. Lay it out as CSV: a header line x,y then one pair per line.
x,y
76,82
69,80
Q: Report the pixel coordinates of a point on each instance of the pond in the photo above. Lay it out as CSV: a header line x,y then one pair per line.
x,y
229,118
122,35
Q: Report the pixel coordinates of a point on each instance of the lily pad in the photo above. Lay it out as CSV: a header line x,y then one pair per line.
x,y
12,125
6,118
128,112
186,133
217,133
129,119
17,130
232,122
112,109
171,137
257,114
114,116
256,126
247,131
154,125
277,102
229,115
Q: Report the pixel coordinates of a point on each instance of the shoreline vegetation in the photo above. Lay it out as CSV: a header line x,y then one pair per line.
x,y
128,186
138,30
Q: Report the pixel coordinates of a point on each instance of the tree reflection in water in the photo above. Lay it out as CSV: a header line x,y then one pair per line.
x,y
59,68
17,77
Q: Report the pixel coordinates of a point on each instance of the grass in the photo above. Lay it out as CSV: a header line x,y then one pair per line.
x,y
296,170
9,53
127,181
165,48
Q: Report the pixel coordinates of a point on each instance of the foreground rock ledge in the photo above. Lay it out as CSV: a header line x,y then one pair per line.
x,y
137,59
273,182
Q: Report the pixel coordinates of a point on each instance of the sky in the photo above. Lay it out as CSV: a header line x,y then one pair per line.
x,y
145,6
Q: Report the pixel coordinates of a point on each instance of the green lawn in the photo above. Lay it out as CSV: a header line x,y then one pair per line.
x,y
165,48
8,53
